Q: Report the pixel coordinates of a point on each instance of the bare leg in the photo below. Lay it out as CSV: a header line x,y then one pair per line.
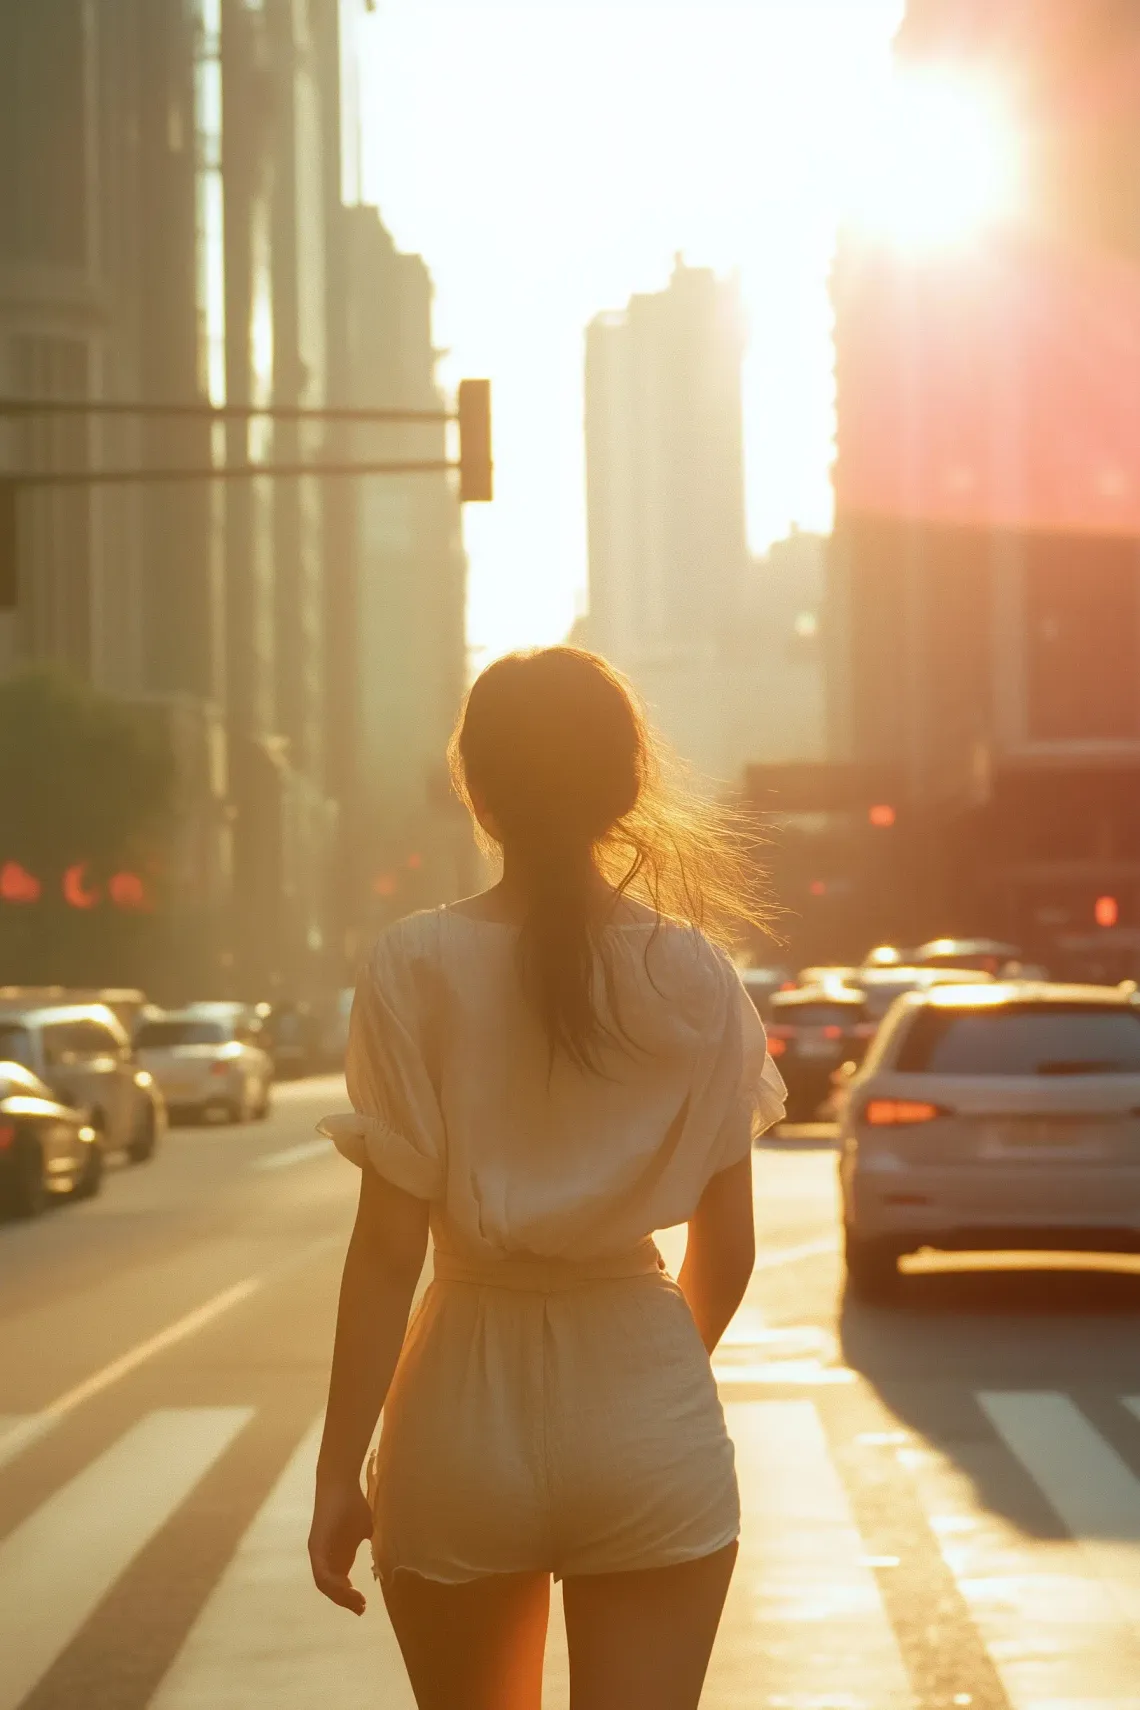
x,y
642,1641
476,1646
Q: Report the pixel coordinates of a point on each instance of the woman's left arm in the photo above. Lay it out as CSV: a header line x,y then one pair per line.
x,y
381,1269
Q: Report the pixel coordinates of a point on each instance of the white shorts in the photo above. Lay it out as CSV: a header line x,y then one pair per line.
x,y
551,1417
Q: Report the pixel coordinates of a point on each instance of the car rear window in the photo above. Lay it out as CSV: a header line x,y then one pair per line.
x,y
15,1045
157,1034
1023,1039
815,1015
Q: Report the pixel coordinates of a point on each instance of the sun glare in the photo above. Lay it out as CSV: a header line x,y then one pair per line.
x,y
942,162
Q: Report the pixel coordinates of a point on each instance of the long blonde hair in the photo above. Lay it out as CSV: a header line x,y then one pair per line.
x,y
555,744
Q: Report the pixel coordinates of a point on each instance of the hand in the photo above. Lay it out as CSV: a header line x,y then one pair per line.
x,y
342,1520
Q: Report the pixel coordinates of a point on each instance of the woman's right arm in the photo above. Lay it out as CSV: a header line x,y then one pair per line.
x,y
721,1251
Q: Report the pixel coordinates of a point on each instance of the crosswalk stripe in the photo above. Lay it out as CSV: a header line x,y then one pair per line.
x,y
265,1634
1090,1487
57,1566
1051,1627
18,1431
804,1623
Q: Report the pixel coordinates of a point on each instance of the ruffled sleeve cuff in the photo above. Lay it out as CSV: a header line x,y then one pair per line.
x,y
770,1099
357,1137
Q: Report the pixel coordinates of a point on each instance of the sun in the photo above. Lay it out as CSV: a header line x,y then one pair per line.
x,y
941,162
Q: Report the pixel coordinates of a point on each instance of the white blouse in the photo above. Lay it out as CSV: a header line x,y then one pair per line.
x,y
457,1100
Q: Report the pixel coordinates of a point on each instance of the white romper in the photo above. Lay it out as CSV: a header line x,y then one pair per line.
x,y
553,1407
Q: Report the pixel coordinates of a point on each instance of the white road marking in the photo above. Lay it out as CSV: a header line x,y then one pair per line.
x,y
1051,1626
804,1624
58,1565
319,1148
266,1635
22,1434
1092,1490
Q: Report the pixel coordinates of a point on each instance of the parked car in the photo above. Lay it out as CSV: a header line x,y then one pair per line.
x,y
290,1033
993,1116
811,1031
209,1062
126,1003
46,1148
84,1056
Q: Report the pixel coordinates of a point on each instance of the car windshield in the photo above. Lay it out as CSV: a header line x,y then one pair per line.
x,y
1023,1039
15,1044
158,1034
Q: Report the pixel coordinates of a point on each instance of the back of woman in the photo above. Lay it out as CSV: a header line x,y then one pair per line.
x,y
544,1075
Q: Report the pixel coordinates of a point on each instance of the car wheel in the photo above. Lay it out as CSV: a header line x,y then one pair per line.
x,y
91,1177
145,1136
872,1266
28,1194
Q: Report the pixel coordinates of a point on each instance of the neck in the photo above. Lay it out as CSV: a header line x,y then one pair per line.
x,y
514,886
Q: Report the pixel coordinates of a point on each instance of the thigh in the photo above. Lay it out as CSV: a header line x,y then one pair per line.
x,y
644,1638
475,1646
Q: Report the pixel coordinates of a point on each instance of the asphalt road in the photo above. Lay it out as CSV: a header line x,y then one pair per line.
x,y
942,1500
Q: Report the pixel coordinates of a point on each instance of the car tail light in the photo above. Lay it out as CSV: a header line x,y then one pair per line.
x,y
7,1135
833,1032
219,1068
776,1045
899,1112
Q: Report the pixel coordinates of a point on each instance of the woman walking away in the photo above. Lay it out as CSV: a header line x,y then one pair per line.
x,y
543,1075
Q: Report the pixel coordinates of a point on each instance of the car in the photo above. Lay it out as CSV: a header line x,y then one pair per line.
x,y
46,1148
208,1061
761,984
82,1053
1001,1115
973,955
832,974
811,1031
880,986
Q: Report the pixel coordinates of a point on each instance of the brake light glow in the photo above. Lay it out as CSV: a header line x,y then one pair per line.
x,y
833,1032
7,1135
776,1045
899,1112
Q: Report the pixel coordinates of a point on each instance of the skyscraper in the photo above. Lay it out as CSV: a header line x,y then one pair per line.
x,y
665,496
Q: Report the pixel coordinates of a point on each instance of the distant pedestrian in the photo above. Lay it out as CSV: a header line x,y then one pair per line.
x,y
544,1074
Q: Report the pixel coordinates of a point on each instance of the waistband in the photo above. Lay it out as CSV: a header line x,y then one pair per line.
x,y
548,1276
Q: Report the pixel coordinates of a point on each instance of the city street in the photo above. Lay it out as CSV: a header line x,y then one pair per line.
x,y
942,1499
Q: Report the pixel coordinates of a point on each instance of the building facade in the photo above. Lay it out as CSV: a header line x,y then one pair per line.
x,y
984,579
665,497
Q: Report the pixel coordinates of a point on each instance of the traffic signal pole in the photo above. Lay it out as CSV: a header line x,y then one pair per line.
x,y
474,465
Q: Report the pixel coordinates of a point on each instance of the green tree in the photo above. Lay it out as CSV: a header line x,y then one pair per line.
x,y
87,783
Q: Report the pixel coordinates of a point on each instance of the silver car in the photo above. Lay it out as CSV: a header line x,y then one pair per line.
x,y
207,1062
991,1117
84,1055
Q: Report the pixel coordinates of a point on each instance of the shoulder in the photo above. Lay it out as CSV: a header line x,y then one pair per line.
x,y
406,948
695,974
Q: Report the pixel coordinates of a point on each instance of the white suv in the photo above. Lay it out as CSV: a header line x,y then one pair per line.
x,y
993,1117
84,1055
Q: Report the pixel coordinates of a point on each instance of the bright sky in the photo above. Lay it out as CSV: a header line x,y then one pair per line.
x,y
548,158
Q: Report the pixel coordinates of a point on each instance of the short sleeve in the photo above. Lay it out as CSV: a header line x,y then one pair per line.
x,y
761,1093
397,1123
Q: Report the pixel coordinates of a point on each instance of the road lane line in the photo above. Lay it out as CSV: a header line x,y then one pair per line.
x,y
1049,1623
59,1564
265,1634
1089,1486
294,1155
805,1622
36,1425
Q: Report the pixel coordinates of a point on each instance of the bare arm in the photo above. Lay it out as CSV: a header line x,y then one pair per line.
x,y
383,1263
721,1251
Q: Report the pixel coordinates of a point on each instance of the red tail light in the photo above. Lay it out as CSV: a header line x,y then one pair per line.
x,y
899,1112
219,1068
833,1032
776,1045
7,1135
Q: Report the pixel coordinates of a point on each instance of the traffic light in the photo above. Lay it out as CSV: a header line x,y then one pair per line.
x,y
8,567
476,483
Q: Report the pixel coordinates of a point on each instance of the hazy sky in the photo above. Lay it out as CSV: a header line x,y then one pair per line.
x,y
549,158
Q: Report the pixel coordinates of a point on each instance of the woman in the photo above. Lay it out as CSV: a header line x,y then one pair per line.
x,y
544,1074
